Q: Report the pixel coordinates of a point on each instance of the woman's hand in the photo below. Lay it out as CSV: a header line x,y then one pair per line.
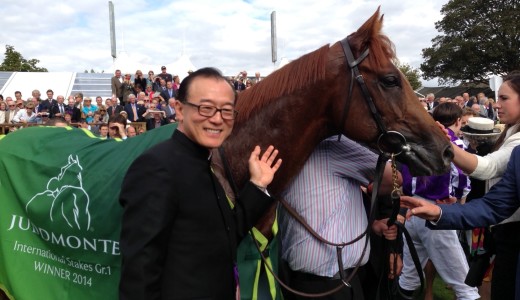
x,y
261,169
449,200
420,208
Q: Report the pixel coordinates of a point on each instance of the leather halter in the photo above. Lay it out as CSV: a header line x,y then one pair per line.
x,y
384,141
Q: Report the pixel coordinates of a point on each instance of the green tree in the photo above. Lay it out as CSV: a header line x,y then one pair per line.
x,y
14,61
411,74
478,38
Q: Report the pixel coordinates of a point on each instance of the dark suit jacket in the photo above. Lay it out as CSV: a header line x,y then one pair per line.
x,y
116,87
179,234
75,113
239,86
498,204
55,109
141,82
47,104
140,111
119,108
166,95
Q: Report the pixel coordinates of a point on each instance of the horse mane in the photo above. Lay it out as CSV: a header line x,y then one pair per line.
x,y
370,35
311,68
298,74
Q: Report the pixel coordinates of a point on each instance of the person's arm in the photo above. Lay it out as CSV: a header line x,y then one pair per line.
x,y
121,129
498,204
495,163
466,161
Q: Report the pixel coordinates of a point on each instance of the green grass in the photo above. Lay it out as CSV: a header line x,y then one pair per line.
x,y
440,292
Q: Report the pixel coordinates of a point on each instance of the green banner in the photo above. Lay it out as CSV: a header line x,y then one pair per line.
x,y
59,212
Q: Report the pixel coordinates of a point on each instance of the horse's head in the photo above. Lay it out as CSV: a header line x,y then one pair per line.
x,y
72,171
423,146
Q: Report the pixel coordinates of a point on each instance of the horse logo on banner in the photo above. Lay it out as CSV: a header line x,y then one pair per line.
x,y
64,198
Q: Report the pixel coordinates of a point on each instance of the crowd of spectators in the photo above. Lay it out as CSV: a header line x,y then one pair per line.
x,y
139,98
481,105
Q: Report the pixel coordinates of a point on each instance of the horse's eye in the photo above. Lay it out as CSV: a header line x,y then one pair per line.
x,y
390,81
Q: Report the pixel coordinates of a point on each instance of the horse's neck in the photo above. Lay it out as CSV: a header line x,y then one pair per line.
x,y
294,130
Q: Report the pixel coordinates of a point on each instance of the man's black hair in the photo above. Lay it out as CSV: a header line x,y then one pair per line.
x,y
182,94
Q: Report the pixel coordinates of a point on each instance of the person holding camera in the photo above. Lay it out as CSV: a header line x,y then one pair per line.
x,y
127,87
139,80
240,80
151,110
158,119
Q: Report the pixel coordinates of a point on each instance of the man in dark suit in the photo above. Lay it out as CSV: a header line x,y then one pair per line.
x,y
179,233
116,82
169,92
135,111
114,108
239,85
49,102
58,109
170,110
429,101
73,111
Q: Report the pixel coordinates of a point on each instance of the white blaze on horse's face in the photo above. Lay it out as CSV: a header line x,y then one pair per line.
x,y
209,132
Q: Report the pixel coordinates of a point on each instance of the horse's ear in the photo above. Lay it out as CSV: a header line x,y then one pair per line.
x,y
368,31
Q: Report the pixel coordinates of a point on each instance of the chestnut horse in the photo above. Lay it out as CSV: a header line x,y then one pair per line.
x,y
302,103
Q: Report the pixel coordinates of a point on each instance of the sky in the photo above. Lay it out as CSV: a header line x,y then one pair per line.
x,y
230,35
